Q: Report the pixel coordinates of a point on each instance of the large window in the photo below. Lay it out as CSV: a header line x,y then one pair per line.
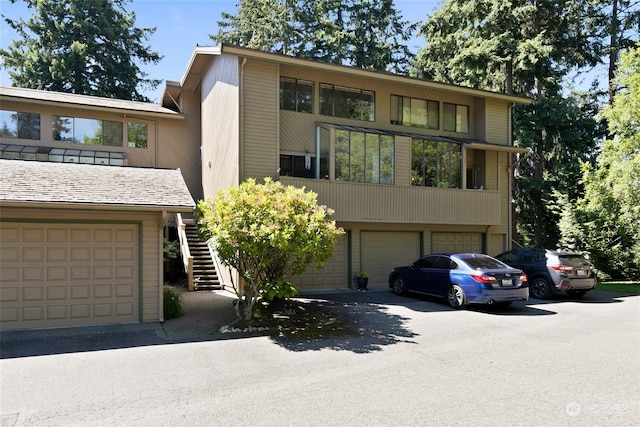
x,y
296,95
436,164
364,157
415,112
87,131
455,118
16,124
347,102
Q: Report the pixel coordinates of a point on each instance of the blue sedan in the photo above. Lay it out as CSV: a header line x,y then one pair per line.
x,y
462,279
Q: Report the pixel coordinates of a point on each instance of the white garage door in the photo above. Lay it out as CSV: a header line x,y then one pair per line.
x,y
68,274
456,242
331,276
381,251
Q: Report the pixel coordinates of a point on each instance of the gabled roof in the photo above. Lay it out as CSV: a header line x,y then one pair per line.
x,y
201,56
92,186
86,101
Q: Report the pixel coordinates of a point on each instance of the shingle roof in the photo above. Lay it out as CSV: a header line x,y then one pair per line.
x,y
83,184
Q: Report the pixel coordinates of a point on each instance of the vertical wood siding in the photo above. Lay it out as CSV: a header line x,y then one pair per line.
x,y
260,120
497,126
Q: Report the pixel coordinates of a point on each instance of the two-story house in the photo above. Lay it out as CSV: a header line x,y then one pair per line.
x,y
409,167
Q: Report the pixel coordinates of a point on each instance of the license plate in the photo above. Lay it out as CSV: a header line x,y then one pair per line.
x,y
506,282
581,273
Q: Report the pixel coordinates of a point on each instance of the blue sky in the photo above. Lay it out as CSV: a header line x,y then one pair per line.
x,y
181,24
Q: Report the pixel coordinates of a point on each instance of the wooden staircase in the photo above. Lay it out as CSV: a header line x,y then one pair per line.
x,y
205,275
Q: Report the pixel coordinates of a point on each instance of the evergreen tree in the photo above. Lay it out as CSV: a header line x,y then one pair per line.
x,y
88,47
605,222
363,34
522,47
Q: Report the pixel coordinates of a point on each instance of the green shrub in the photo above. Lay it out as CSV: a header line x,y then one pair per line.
x,y
172,303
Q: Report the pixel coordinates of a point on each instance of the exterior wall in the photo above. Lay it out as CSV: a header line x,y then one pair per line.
x,y
388,203
260,109
179,144
497,122
150,248
220,100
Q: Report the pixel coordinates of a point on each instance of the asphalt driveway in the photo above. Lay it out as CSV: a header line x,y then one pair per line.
x,y
415,362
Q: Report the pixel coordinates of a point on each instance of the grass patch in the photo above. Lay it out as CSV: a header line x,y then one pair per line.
x,y
626,287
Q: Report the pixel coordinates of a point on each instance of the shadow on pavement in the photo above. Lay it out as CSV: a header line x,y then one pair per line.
x,y
372,324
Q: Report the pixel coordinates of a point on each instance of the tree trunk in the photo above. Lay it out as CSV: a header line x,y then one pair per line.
x,y
613,50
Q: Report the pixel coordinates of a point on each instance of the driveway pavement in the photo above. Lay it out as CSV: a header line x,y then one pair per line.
x,y
416,362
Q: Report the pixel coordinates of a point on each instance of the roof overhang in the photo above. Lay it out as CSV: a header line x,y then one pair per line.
x,y
476,145
85,102
95,206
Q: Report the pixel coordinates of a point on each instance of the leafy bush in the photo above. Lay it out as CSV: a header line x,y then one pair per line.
x,y
172,303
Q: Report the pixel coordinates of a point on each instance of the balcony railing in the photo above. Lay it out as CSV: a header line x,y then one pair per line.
x,y
408,204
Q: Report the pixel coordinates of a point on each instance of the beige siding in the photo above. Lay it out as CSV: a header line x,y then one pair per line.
x,y
497,122
179,144
480,121
387,203
150,229
220,126
260,120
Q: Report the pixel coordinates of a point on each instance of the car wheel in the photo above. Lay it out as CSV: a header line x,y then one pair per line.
x,y
399,287
576,293
456,297
540,288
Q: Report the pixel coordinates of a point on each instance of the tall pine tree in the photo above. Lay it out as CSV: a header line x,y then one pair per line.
x,y
88,47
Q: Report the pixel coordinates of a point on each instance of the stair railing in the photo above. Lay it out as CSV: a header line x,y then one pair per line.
x,y
187,258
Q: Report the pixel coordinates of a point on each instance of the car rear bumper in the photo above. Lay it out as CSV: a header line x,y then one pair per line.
x,y
489,296
569,284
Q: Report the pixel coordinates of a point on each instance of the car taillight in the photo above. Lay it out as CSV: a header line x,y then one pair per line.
x,y
483,278
562,268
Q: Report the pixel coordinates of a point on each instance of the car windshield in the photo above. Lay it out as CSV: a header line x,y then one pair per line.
x,y
484,263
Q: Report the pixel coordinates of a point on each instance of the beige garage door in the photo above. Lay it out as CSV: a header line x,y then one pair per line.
x,y
68,274
381,251
456,242
334,275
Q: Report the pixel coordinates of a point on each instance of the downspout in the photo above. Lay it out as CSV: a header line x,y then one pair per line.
x,y
241,123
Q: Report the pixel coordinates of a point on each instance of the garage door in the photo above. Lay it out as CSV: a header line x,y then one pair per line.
x,y
456,242
334,275
381,251
68,274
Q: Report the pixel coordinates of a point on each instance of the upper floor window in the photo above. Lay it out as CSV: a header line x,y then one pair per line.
x,y
296,95
364,157
455,118
137,135
436,164
99,132
347,102
16,124
87,131
415,112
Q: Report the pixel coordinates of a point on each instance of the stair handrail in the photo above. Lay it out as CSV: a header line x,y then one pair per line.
x,y
187,258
